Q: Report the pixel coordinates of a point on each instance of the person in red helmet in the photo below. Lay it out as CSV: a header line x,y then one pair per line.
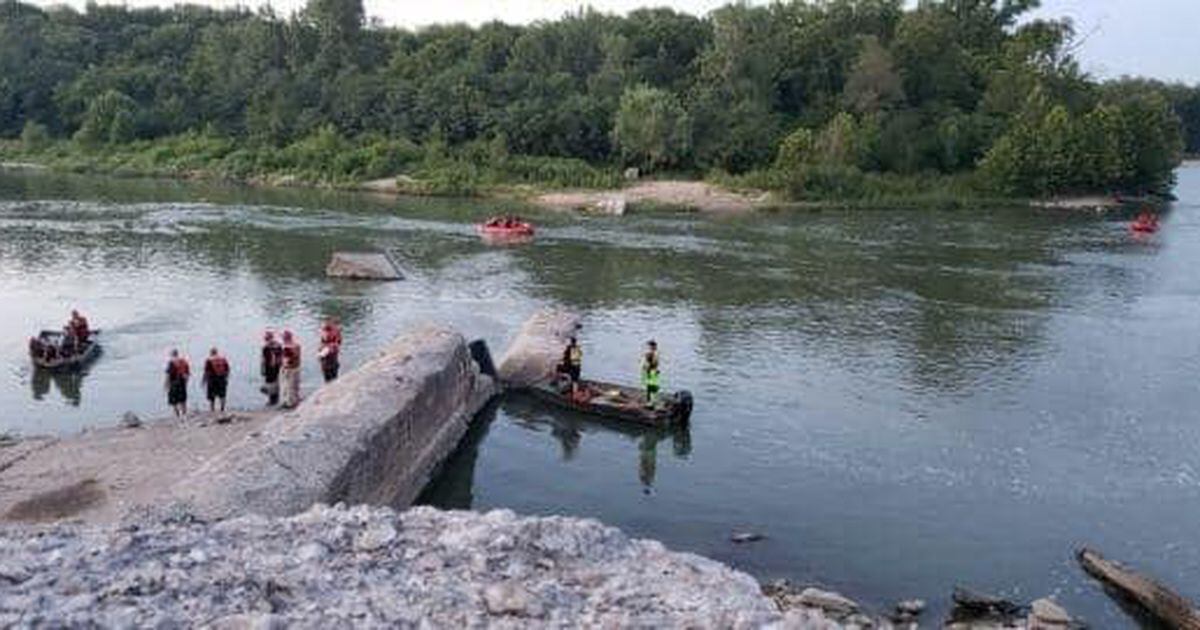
x,y
272,363
289,375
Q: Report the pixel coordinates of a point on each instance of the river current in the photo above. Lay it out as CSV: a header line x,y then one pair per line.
x,y
899,401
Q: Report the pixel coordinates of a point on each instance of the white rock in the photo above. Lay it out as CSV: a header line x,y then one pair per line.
x,y
510,598
375,537
1046,613
827,601
312,551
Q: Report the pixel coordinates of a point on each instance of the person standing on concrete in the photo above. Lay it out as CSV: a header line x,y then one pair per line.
x,y
178,373
216,379
272,363
289,376
331,346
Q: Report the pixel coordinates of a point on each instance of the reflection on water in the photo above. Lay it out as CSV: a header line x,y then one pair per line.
x,y
900,401
453,488
68,383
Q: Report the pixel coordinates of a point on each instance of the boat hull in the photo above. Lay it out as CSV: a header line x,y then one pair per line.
x,y
617,402
90,352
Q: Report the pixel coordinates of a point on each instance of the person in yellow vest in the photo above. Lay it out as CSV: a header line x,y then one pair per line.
x,y
572,362
650,372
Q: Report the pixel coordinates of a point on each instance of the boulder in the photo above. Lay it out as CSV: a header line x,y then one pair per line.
x,y
374,436
537,349
827,601
362,266
130,420
1046,614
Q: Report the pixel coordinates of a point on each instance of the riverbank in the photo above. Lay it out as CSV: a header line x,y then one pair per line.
x,y
99,475
398,169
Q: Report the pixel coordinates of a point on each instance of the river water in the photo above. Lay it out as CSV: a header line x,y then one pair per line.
x,y
899,401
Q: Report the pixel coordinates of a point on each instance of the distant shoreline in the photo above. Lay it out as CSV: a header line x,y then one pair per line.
x,y
693,195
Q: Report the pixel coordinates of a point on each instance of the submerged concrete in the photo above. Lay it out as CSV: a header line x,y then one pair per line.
x,y
362,266
537,349
375,435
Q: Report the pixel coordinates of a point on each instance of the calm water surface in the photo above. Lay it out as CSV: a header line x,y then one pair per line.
x,y
899,401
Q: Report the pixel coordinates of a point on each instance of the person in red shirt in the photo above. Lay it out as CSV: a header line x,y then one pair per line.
x,y
79,327
178,373
289,376
216,379
331,347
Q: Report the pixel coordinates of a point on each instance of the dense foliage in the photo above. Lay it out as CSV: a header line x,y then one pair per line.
x,y
826,98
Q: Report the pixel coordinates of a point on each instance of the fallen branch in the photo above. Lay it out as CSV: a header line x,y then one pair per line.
x,y
1157,600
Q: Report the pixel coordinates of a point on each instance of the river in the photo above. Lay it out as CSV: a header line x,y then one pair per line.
x,y
900,401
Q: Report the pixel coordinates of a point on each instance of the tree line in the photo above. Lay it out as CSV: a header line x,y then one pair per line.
x,y
815,97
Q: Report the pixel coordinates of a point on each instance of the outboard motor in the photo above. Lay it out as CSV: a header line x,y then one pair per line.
x,y
684,400
483,357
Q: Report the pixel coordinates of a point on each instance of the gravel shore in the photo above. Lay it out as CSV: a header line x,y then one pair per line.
x,y
370,567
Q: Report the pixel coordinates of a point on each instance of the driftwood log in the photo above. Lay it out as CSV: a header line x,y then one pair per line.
x,y
1158,601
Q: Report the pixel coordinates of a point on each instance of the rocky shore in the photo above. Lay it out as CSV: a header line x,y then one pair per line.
x,y
370,567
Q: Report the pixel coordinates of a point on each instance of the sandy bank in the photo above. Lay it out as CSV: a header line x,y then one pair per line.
x,y
692,195
98,475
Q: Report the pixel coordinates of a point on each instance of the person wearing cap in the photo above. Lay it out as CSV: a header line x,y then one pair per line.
x,y
650,372
289,375
272,363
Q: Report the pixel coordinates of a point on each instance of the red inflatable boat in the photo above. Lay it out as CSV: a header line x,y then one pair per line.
x,y
506,227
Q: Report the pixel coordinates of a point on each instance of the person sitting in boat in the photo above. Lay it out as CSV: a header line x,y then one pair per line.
x,y
79,326
650,372
1146,220
70,344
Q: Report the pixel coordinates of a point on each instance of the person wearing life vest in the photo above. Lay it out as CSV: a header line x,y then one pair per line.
x,y
216,379
650,372
289,375
79,327
272,363
572,363
331,346
69,343
178,373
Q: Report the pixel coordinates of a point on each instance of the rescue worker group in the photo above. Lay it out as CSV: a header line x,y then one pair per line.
x,y
279,367
281,360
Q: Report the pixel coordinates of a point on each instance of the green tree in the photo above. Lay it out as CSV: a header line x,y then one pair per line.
x,y
874,85
109,120
652,129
